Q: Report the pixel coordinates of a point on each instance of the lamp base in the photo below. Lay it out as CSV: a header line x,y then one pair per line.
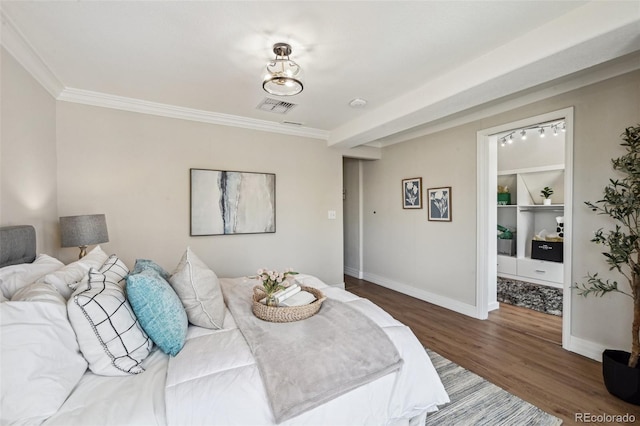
x,y
83,252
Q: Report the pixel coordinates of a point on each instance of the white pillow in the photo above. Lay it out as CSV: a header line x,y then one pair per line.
x,y
14,277
67,278
39,292
40,361
108,332
116,270
199,291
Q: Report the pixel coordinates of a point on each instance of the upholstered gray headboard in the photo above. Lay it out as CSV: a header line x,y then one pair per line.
x,y
17,245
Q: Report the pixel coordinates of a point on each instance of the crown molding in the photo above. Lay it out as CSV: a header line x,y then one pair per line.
x,y
14,41
17,45
105,100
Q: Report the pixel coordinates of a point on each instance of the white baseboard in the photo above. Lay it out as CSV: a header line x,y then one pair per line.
x,y
585,347
580,346
353,272
493,306
436,299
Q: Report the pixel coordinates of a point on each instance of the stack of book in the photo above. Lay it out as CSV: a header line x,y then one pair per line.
x,y
293,295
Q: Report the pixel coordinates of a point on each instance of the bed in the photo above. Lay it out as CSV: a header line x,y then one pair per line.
x,y
222,373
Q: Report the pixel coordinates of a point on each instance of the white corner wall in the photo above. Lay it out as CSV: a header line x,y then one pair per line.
x,y
135,169
28,160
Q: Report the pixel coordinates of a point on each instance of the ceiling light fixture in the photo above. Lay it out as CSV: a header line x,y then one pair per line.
x,y
284,76
358,103
508,138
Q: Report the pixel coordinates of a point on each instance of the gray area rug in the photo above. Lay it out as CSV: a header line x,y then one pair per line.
x,y
474,401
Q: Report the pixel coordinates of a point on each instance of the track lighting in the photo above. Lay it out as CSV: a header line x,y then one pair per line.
x,y
540,128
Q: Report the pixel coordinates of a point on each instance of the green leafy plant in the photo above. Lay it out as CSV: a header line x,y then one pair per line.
x,y
546,192
621,202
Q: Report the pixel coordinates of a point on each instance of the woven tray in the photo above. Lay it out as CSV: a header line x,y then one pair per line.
x,y
286,313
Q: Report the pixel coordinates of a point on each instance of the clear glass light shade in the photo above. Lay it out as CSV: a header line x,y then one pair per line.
x,y
283,78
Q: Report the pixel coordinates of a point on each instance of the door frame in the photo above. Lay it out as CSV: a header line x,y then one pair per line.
x,y
486,217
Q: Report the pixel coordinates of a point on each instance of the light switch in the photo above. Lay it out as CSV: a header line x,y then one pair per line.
x,y
332,214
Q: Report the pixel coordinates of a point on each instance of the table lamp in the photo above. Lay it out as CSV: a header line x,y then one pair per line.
x,y
82,231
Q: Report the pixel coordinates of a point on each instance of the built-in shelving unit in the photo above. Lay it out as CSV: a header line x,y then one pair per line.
x,y
527,216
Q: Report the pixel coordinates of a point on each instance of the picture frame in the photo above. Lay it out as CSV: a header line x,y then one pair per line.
x,y
439,204
230,202
412,193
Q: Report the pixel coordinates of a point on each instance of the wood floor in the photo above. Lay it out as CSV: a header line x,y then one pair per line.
x,y
518,352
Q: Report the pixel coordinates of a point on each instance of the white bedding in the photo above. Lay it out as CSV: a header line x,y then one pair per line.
x,y
214,381
112,401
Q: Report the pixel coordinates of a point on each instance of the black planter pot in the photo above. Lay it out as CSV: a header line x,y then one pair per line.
x,y
621,380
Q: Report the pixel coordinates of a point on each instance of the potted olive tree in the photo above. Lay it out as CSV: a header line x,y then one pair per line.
x,y
621,202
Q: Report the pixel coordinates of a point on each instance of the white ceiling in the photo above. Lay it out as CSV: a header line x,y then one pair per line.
x,y
417,63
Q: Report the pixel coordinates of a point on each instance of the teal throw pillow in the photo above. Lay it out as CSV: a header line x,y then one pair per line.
x,y
158,309
143,264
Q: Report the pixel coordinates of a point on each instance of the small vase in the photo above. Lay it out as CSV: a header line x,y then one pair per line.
x,y
271,300
546,201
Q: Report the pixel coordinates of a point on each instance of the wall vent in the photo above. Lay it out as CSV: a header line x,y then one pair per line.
x,y
275,106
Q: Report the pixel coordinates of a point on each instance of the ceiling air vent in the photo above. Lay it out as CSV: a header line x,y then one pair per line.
x,y
275,106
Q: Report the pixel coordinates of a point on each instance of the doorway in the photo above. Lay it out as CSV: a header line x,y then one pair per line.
x,y
525,209
352,200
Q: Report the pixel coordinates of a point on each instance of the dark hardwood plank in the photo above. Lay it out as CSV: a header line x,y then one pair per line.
x,y
537,324
510,349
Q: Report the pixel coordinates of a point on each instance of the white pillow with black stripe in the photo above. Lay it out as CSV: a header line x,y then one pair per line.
x,y
109,335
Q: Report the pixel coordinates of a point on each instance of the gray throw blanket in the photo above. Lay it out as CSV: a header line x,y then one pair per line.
x,y
306,363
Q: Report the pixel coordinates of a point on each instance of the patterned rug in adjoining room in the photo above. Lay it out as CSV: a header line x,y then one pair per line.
x,y
533,296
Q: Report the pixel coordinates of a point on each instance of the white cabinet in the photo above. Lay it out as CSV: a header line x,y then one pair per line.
x,y
540,270
527,216
507,265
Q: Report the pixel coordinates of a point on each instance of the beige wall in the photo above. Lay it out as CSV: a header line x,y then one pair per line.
x,y
403,249
135,169
28,155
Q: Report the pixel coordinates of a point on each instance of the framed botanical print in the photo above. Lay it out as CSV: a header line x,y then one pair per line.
x,y
412,193
439,201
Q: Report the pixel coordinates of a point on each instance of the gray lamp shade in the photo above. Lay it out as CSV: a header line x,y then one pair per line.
x,y
84,230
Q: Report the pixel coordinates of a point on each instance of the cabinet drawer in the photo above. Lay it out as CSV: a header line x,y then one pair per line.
x,y
539,269
507,265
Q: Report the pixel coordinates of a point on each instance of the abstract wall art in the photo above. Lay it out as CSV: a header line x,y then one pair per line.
x,y
229,202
